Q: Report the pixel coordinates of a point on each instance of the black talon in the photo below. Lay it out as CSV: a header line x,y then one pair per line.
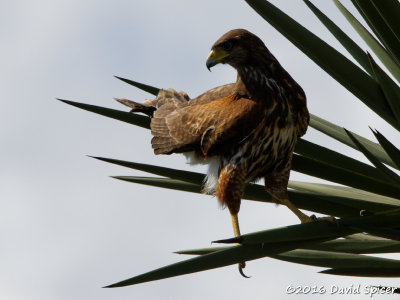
x,y
241,266
314,218
336,221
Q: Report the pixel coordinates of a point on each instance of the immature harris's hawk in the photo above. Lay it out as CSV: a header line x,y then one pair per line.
x,y
244,130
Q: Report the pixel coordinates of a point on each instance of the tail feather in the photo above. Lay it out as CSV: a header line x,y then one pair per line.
x,y
159,110
137,107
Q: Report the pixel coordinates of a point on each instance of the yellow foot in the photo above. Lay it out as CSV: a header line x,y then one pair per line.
x,y
329,219
307,219
313,218
236,231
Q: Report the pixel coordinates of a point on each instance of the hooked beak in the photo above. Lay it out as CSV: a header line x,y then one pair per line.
x,y
215,57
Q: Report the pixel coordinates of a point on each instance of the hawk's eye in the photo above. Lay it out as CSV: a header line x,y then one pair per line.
x,y
227,46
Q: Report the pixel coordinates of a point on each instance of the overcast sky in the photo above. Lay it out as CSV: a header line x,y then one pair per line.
x,y
66,228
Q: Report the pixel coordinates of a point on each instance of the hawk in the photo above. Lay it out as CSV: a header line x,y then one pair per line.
x,y
244,131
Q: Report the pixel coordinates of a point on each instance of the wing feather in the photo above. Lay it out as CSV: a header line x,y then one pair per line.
x,y
203,125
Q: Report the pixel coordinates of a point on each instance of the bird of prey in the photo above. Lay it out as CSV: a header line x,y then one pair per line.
x,y
244,131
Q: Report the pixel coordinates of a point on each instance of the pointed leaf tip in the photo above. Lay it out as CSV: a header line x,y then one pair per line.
x,y
95,157
234,240
391,176
63,100
144,87
391,150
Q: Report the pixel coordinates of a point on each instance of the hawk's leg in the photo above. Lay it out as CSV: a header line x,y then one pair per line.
x,y
230,189
302,216
276,185
283,199
235,225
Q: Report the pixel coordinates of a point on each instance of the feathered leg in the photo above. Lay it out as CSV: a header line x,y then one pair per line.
x,y
230,189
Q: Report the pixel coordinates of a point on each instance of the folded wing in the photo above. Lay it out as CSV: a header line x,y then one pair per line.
x,y
206,126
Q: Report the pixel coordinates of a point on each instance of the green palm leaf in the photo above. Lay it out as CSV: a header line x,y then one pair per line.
x,y
308,201
390,89
377,23
147,88
339,133
364,272
226,257
357,246
123,116
358,54
336,260
390,149
382,19
385,171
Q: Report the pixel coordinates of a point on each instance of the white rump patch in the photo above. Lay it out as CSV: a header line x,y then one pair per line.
x,y
211,179
192,159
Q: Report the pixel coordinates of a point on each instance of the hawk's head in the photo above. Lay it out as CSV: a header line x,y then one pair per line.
x,y
237,48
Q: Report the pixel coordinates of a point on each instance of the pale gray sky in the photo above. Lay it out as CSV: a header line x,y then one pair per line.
x,y
66,228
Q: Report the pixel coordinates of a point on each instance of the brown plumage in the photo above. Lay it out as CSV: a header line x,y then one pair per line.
x,y
248,129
